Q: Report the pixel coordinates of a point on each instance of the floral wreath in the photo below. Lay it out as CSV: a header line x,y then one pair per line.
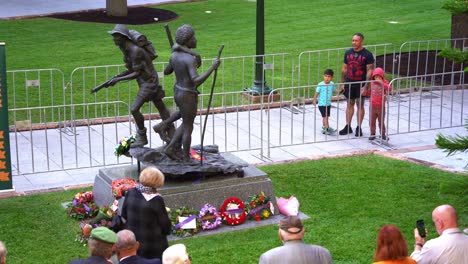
x,y
82,206
210,217
232,211
124,145
177,224
121,186
259,207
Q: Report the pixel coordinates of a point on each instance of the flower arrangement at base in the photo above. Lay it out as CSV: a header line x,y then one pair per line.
x,y
259,207
124,145
232,211
185,222
103,217
121,186
82,206
210,217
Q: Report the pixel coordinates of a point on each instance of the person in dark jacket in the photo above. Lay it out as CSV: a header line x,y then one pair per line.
x,y
127,247
145,214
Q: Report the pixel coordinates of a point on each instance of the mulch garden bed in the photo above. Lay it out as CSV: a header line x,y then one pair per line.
x,y
423,63
135,16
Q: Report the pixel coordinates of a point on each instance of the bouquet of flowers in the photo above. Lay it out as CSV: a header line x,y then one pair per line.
x,y
259,207
210,217
185,222
82,206
121,186
124,145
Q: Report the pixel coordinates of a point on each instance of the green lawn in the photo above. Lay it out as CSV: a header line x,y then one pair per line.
x,y
348,199
290,27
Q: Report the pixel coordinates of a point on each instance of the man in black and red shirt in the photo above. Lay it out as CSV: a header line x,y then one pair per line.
x,y
357,68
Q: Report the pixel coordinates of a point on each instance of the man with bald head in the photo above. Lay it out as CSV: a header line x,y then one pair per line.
x,y
127,248
450,247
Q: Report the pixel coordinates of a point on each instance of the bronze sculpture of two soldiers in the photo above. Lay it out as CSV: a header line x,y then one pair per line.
x,y
138,56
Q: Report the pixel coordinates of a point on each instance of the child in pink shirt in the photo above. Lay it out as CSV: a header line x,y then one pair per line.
x,y
378,90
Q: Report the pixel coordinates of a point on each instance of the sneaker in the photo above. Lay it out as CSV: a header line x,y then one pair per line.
x,y
384,137
324,130
372,137
358,132
346,130
330,131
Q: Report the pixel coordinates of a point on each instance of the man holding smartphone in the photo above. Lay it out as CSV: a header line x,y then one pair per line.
x,y
450,247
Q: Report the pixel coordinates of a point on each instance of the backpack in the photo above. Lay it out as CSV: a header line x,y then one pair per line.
x,y
142,41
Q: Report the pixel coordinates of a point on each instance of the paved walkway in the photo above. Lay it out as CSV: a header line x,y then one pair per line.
x,y
14,9
417,147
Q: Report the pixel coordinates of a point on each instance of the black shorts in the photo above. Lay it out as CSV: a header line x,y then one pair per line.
x,y
325,110
352,90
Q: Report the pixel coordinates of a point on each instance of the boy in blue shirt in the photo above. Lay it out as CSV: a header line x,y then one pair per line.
x,y
324,92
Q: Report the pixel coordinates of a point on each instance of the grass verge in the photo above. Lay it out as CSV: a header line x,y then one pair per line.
x,y
348,200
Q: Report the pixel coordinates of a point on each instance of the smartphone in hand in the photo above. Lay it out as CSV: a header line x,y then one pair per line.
x,y
421,227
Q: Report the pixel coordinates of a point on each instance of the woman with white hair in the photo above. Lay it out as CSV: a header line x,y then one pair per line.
x,y
176,254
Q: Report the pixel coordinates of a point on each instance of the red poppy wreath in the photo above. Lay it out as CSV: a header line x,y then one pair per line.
x,y
232,211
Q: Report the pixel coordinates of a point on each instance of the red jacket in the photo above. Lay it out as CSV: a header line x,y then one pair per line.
x,y
378,97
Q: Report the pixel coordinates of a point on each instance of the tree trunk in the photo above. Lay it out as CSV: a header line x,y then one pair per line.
x,y
116,8
459,30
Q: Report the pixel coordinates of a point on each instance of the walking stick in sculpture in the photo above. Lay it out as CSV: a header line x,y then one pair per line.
x,y
209,106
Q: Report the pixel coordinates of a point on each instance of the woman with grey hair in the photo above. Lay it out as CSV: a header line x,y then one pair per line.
x,y
145,213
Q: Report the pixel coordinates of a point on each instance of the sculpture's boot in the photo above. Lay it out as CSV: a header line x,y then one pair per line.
x,y
141,139
162,130
171,153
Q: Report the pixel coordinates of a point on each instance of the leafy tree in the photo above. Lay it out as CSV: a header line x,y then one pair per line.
x,y
453,144
459,10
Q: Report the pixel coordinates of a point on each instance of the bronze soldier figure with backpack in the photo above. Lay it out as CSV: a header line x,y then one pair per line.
x,y
139,54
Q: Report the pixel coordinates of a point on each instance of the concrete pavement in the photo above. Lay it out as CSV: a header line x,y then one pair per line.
x,y
415,147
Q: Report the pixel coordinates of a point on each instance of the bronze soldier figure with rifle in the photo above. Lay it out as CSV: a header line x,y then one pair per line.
x,y
138,57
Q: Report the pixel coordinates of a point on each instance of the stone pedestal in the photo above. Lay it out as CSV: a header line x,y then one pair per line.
x,y
192,192
116,8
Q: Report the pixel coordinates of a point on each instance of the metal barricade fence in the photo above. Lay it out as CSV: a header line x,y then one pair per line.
x,y
295,122
414,58
311,64
418,104
236,122
77,143
234,74
35,88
